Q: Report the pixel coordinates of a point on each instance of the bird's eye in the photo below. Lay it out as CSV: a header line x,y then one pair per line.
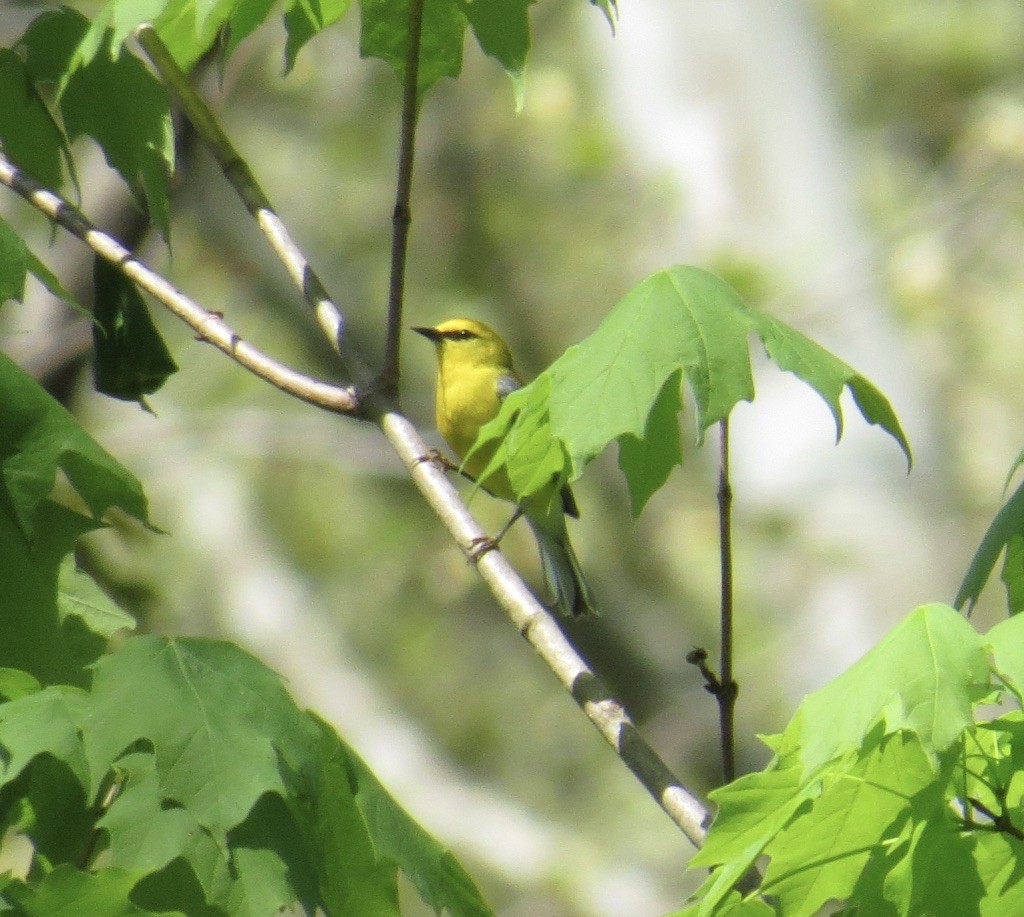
x,y
462,335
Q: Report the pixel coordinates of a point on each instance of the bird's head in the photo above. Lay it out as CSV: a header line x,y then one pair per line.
x,y
466,341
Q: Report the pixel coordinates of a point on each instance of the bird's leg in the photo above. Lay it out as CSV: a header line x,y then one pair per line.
x,y
439,458
478,547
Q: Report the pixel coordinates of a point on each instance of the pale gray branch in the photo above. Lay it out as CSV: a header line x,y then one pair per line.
x,y
209,326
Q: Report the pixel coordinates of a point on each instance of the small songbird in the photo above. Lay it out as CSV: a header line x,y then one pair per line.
x,y
475,373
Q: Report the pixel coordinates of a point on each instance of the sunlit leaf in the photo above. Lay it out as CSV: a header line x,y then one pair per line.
x,y
679,322
925,676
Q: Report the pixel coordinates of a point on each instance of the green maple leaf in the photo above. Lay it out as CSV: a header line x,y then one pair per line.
x,y
622,383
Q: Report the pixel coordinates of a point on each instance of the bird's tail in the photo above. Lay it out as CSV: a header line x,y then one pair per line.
x,y
563,576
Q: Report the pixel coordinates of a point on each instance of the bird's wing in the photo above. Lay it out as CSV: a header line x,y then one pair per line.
x,y
506,385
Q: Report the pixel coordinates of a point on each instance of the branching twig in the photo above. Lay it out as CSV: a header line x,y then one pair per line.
x,y
209,326
402,216
1000,821
236,170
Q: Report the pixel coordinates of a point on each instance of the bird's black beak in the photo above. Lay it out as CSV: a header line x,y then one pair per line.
x,y
431,333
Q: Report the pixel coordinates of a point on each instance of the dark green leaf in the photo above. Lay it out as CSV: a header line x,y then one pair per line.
x,y
50,44
350,871
15,260
647,462
176,886
13,263
397,839
89,618
49,280
145,835
62,819
115,100
244,19
1013,574
385,34
43,723
79,595
502,28
68,892
33,638
28,135
271,859
305,18
187,865
1008,523
132,359
38,437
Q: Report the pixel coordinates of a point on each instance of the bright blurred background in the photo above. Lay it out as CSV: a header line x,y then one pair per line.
x,y
853,167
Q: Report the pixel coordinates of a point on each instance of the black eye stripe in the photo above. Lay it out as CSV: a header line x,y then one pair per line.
x,y
460,335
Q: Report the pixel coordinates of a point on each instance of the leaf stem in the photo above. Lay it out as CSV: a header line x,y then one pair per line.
x,y
402,215
727,687
113,785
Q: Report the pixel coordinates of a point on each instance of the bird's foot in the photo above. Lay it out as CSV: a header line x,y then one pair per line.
x,y
478,547
438,458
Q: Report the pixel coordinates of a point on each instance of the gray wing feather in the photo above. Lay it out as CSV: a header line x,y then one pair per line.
x,y
507,384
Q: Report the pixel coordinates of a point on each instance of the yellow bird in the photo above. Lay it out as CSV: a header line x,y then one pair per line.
x,y
475,373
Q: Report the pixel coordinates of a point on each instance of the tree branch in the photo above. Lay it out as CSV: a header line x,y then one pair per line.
x,y
209,326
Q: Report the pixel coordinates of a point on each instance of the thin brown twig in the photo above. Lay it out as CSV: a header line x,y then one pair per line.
x,y
402,216
727,687
209,326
